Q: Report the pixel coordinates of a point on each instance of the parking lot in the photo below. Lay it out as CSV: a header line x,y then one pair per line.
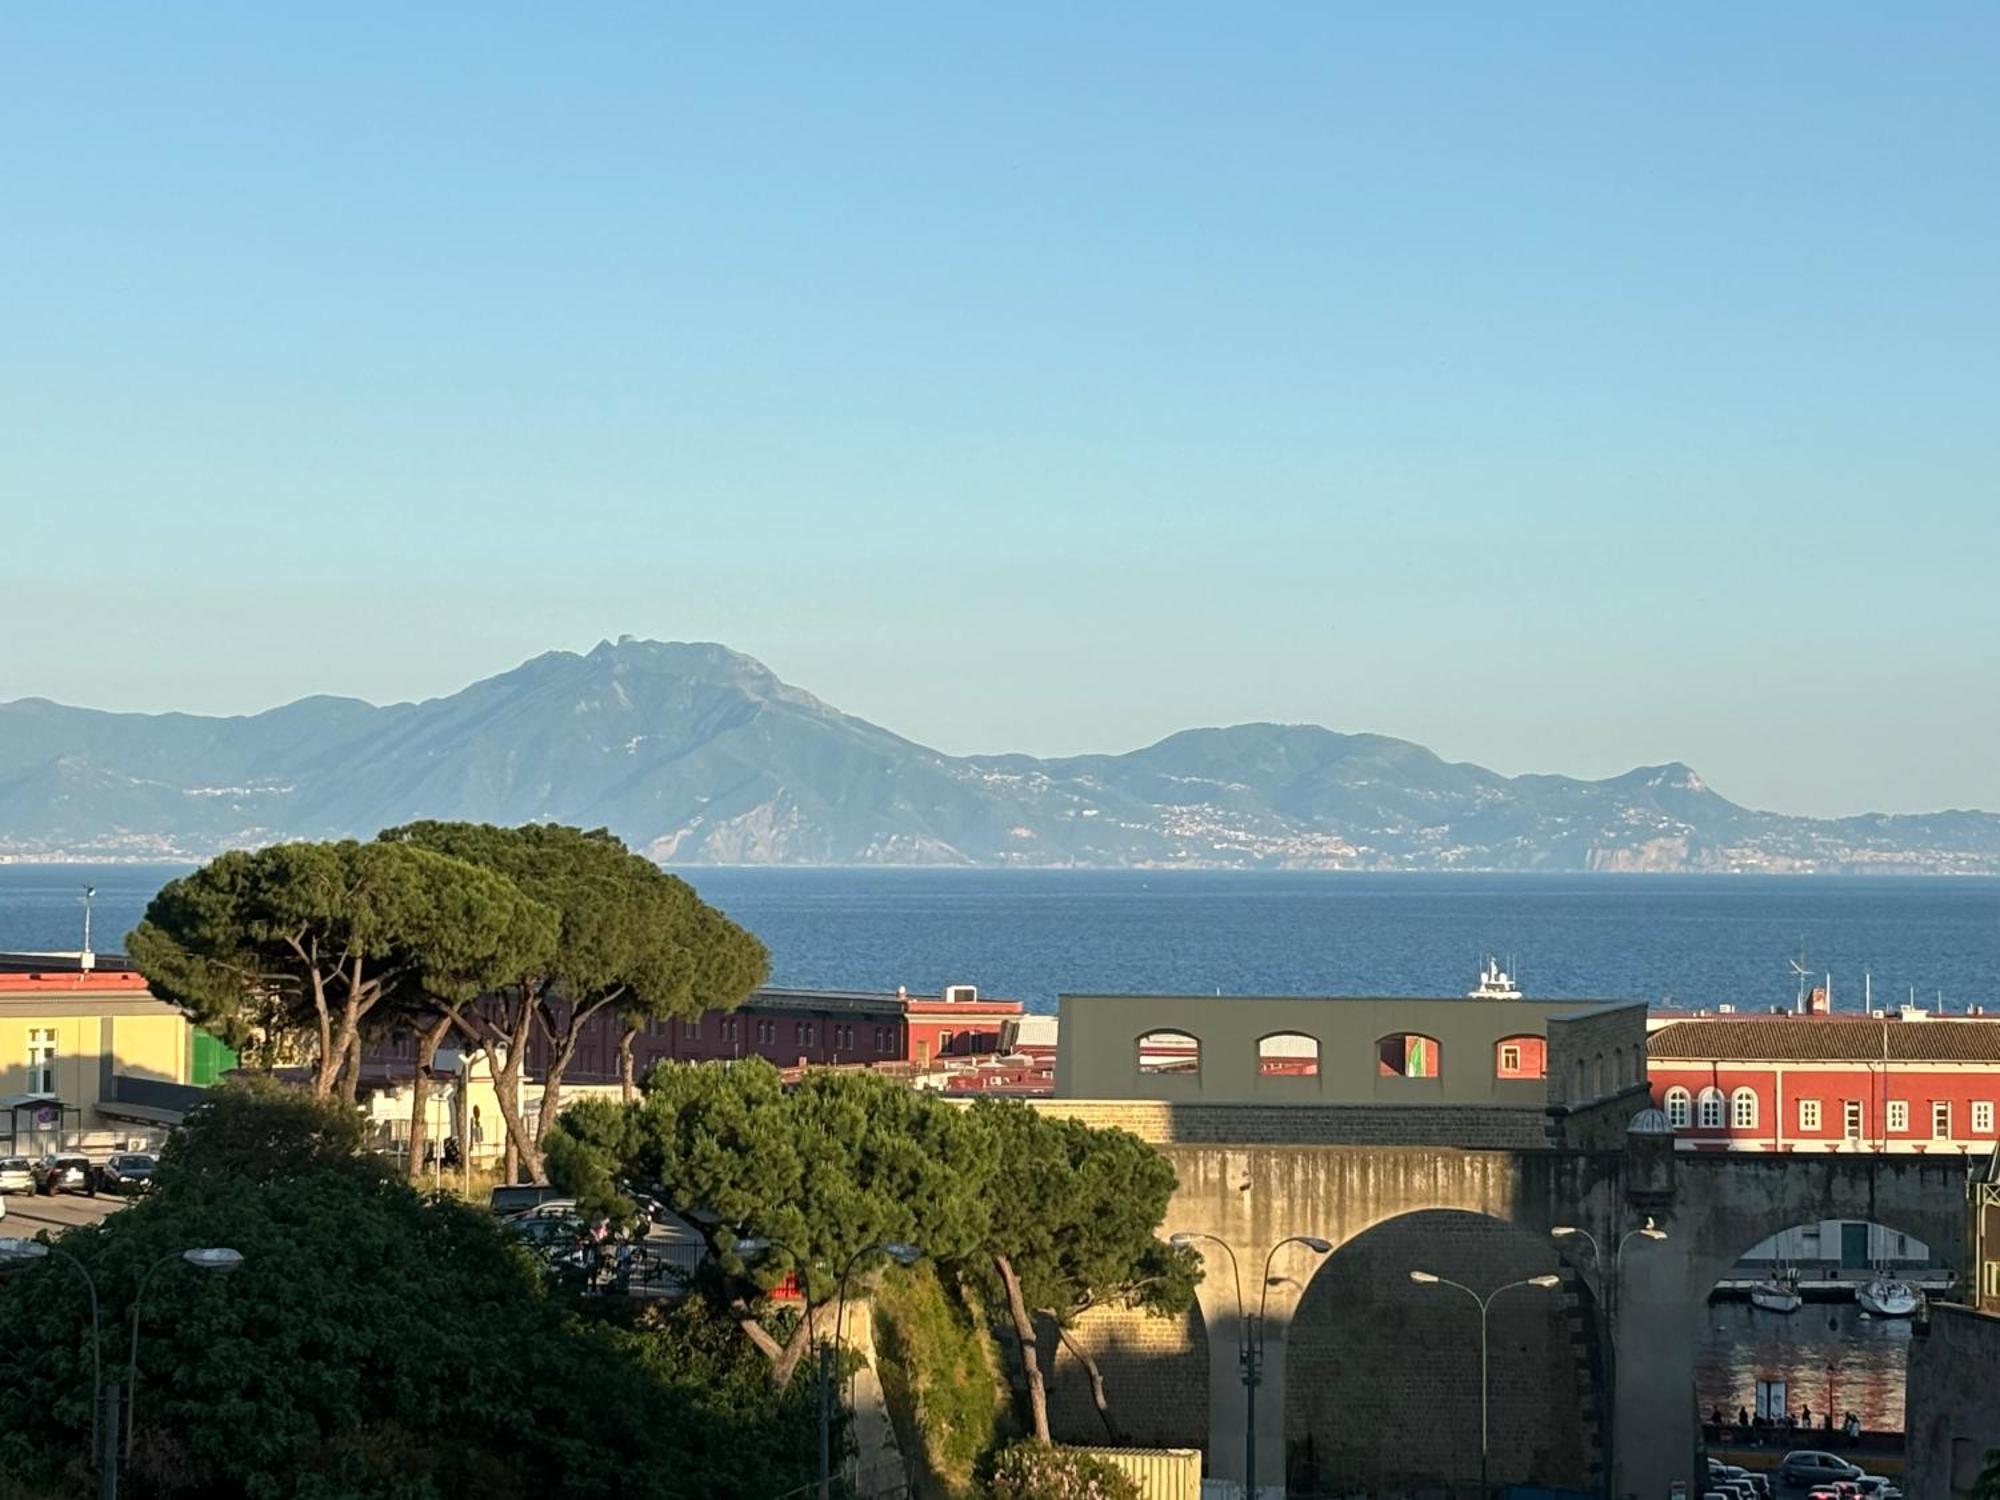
x,y
28,1215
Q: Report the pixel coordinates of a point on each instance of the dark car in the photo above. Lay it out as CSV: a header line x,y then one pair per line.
x,y
1811,1466
128,1172
65,1172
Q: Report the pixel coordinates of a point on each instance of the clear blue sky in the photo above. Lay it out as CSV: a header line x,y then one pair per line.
x,y
1567,387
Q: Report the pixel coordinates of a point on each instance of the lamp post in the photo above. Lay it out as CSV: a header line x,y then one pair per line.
x,y
1648,1230
18,1250
1250,1335
1485,1303
103,1418
218,1259
896,1250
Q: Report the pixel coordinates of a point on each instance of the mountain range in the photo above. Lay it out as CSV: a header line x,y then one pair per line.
x,y
697,754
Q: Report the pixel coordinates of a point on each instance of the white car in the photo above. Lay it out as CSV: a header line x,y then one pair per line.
x,y
17,1175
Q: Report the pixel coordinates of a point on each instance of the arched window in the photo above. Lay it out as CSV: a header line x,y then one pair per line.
x,y
1709,1108
1288,1054
1520,1057
1578,1090
1174,1053
1599,1076
1407,1054
1679,1108
1743,1109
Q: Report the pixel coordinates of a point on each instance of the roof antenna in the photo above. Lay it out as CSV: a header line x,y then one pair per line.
x,y
86,960
1799,968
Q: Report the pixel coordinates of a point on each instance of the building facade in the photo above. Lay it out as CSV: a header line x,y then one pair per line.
x,y
794,1028
1477,1051
1829,1083
89,1058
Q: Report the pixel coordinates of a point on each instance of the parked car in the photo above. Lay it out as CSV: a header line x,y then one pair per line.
x,y
1875,1487
17,1175
516,1198
129,1172
1810,1466
67,1172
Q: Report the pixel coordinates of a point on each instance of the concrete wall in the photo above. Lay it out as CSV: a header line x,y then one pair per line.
x,y
1953,1403
1383,1374
1155,1380
1099,1056
1253,1174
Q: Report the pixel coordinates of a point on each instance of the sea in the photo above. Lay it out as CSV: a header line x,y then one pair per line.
x,y
1033,935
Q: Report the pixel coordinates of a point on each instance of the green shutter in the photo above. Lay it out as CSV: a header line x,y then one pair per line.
x,y
212,1058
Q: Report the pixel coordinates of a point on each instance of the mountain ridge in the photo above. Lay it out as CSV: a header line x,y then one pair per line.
x,y
696,753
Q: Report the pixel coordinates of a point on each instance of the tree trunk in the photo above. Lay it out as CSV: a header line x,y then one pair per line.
x,y
428,1042
350,1068
1024,1335
628,1071
562,1052
1090,1369
784,1357
522,1155
505,1044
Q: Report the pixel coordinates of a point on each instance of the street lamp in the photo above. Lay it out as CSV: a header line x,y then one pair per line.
x,y
1648,1230
218,1259
904,1255
1426,1278
14,1250
1250,1334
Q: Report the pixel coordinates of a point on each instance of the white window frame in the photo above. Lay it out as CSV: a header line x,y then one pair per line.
x,y
1993,1278
1899,1116
1743,1109
41,1059
1853,1120
1680,1107
1510,1057
1711,1109
1809,1114
1940,1119
1982,1117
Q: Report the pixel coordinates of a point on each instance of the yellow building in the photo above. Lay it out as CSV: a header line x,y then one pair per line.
x,y
89,1059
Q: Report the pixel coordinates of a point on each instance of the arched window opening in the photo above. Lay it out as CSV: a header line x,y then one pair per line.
x,y
1680,1108
1709,1107
1743,1109
1407,1054
1579,1090
1599,1075
1173,1053
1520,1057
1288,1054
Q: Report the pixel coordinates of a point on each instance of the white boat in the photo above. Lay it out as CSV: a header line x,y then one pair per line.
x,y
1889,1299
1775,1296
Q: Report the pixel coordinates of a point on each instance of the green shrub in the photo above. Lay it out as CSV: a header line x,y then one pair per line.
x,y
1036,1471
937,1376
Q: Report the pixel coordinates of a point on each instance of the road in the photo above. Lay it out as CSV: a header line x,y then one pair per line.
x,y
28,1215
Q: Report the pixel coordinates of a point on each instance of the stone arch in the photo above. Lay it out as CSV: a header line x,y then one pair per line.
x,y
1382,1383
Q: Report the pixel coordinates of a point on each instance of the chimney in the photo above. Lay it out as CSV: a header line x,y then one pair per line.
x,y
1817,1003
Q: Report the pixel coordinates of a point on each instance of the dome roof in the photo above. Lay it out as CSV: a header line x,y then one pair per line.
x,y
1649,1122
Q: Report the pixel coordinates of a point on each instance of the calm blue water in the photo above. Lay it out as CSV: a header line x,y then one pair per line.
x,y
1695,940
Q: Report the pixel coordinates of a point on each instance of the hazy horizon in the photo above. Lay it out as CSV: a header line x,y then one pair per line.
x,y
1564,390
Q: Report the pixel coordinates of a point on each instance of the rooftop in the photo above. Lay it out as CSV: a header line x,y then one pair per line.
x,y
1826,1039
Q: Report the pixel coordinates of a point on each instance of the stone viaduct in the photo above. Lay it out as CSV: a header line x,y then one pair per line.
x,y
1391,1190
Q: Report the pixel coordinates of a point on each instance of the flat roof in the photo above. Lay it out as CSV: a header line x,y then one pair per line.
x,y
1560,1000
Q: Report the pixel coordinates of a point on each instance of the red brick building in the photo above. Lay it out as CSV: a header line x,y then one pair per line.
x,y
793,1028
1792,1082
